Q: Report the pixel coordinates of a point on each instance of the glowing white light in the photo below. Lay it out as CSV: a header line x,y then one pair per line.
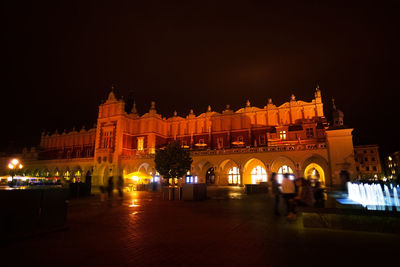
x,y
14,162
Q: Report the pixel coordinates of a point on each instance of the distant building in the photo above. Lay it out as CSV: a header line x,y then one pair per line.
x,y
368,163
392,165
228,148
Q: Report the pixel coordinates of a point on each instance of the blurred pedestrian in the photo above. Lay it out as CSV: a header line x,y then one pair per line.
x,y
319,195
288,192
102,193
305,193
110,187
120,186
275,192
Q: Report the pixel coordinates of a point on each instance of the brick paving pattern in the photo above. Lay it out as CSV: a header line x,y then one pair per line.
x,y
228,229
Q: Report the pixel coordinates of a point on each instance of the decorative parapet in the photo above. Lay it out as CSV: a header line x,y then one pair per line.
x,y
260,149
301,147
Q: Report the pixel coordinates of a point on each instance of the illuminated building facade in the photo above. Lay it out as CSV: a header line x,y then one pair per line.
x,y
228,148
392,165
368,163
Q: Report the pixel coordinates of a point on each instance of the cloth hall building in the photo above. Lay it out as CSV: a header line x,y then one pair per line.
x,y
228,148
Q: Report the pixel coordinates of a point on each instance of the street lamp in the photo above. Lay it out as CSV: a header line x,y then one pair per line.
x,y
14,165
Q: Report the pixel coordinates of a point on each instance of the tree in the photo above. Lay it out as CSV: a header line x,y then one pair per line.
x,y
173,161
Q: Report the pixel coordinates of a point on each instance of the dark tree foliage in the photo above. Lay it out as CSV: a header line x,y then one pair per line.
x,y
173,161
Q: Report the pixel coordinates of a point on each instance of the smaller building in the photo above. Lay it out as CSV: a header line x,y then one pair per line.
x,y
392,163
368,163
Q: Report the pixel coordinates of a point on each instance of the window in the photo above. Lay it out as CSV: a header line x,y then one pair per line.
x,y
309,132
234,176
258,174
140,141
374,168
107,139
285,169
358,169
240,138
356,159
282,135
366,159
372,152
373,159
367,168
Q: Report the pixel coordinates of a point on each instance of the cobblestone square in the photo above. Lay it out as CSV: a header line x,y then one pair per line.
x,y
228,229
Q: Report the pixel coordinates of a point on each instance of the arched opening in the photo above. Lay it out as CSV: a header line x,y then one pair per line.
x,y
285,169
254,172
210,176
67,176
77,176
315,173
234,176
258,175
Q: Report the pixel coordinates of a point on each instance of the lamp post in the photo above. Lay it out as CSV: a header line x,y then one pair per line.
x,y
14,165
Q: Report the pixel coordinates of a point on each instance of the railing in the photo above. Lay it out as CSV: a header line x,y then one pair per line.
x,y
261,149
299,147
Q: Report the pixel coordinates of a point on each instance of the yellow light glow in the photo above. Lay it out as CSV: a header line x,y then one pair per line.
x,y
15,161
20,166
134,203
10,166
390,158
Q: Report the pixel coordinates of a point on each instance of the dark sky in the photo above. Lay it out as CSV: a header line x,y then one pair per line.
x,y
61,58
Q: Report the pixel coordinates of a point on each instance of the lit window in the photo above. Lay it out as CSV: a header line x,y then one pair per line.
x,y
282,135
285,169
258,174
234,176
140,142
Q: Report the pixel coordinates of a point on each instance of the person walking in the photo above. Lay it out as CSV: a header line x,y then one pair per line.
x,y
319,195
110,187
102,194
120,186
288,192
275,192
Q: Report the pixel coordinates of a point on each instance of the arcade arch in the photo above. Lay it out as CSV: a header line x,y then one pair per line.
x,y
315,173
229,173
254,172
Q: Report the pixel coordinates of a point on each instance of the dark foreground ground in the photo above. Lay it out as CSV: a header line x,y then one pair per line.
x,y
228,229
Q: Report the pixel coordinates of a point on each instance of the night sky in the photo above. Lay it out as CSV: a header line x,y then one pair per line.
x,y
61,57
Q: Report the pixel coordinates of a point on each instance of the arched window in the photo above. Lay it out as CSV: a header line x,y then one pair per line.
x,y
258,174
282,170
234,176
285,169
67,175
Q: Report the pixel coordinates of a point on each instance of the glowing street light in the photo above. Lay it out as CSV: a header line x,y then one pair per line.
x,y
13,166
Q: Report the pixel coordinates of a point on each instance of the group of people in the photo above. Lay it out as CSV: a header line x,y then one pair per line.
x,y
110,188
296,193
